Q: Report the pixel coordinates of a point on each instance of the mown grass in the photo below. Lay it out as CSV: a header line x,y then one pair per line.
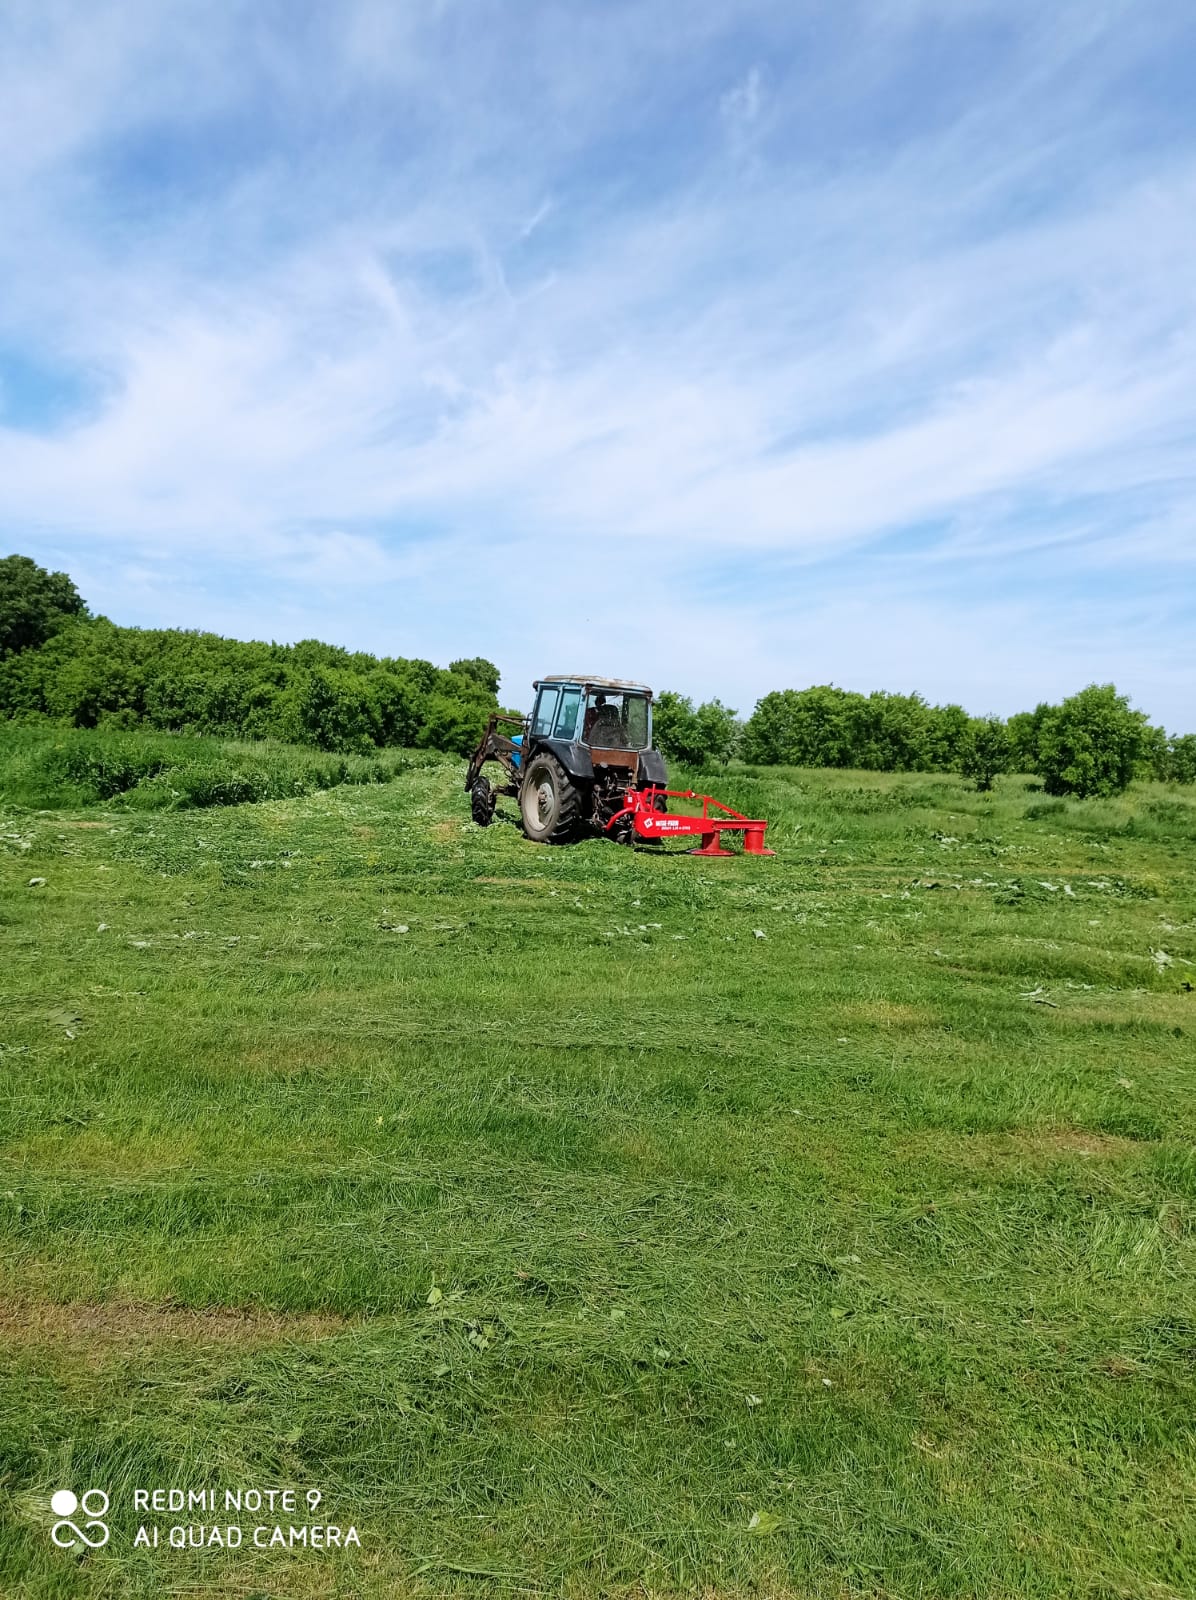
x,y
591,1222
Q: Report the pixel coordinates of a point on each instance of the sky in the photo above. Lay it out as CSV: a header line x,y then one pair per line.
x,y
731,346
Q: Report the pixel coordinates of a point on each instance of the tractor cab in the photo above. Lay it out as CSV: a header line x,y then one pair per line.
x,y
599,732
598,713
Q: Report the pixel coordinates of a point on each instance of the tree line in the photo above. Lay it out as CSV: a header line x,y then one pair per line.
x,y
1093,743
57,661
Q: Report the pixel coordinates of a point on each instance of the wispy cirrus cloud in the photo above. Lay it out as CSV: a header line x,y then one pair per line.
x,y
389,324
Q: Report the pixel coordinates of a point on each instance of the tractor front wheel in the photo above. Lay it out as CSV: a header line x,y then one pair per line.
x,y
550,804
483,800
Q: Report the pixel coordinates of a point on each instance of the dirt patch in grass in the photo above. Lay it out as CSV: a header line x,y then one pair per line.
x,y
1119,1367
1052,1143
98,1154
639,1148
1072,1141
891,1014
25,1322
1140,1009
1038,1146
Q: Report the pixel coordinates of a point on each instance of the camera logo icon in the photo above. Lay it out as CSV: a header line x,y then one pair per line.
x,y
93,1504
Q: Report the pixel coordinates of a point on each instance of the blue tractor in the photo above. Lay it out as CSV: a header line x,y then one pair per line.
x,y
586,745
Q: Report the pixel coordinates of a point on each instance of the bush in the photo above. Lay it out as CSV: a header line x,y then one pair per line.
x,y
830,727
1025,730
694,737
453,725
800,728
1093,744
54,766
951,731
986,751
1181,758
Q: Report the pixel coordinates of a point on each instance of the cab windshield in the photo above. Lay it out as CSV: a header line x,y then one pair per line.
x,y
615,721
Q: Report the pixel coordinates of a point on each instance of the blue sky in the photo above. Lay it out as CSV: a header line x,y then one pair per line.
x,y
734,346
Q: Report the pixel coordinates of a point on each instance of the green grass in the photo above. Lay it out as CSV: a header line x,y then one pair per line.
x,y
587,1222
44,765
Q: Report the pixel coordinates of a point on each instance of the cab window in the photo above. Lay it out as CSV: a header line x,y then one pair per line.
x,y
616,721
635,720
545,711
566,717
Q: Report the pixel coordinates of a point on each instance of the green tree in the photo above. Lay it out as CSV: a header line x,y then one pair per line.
x,y
891,733
985,751
34,604
88,672
480,671
950,729
695,736
1092,744
676,731
718,729
332,710
1156,754
1181,751
451,724
801,728
1025,731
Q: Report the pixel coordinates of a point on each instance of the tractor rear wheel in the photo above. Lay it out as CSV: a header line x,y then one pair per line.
x,y
550,804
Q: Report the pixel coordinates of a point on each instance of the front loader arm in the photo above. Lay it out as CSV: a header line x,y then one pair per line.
x,y
494,746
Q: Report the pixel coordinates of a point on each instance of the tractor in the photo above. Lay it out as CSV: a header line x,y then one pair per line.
x,y
583,762
570,765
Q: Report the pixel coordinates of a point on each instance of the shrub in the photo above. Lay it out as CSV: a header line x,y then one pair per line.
x,y
1181,758
891,732
830,727
695,737
1025,730
453,725
1092,744
800,728
950,732
55,766
986,751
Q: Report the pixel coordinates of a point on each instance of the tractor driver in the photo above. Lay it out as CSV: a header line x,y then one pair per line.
x,y
603,724
597,704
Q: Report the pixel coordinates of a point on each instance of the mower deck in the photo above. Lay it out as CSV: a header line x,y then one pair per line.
x,y
650,822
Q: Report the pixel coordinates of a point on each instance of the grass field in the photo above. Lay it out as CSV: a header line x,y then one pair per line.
x,y
592,1223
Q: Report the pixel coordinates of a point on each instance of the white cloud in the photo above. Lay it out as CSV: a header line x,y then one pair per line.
x,y
343,359
542,211
740,106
